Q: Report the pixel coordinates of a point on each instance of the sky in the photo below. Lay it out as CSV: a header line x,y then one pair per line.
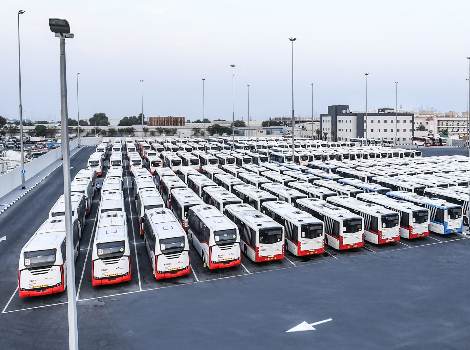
x,y
172,45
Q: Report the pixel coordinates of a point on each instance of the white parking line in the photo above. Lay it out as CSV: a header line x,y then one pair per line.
x,y
133,234
244,268
194,273
369,249
9,300
216,279
86,256
435,239
406,245
289,260
333,256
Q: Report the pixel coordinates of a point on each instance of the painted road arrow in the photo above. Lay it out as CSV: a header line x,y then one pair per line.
x,y
305,326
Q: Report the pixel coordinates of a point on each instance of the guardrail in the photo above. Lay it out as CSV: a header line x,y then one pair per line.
x,y
12,179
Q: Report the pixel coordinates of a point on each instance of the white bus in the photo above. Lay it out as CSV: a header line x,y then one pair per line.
x,y
233,169
214,237
300,176
343,229
135,162
219,197
86,174
184,171
381,225
445,218
95,163
42,263
274,176
166,243
283,193
227,181
312,191
183,198
198,182
253,179
365,186
147,198
78,208
189,160
208,159
454,194
85,188
160,173
252,195
172,161
304,233
115,161
211,170
399,185
261,238
154,162
414,220
168,184
241,159
111,183
225,158
111,260
340,189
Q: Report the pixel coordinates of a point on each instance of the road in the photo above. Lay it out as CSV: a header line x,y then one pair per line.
x,y
406,296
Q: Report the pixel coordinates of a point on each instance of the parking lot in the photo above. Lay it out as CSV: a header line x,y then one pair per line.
x,y
413,294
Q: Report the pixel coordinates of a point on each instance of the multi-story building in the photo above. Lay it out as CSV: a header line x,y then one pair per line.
x,y
340,124
166,121
452,126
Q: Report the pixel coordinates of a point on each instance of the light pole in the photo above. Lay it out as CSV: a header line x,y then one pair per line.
x,y
20,12
311,84
203,99
78,112
233,106
248,107
367,139
61,29
142,103
396,111
468,126
292,96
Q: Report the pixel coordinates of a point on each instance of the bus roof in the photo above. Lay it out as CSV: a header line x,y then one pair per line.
x,y
49,235
212,217
291,213
366,207
251,216
185,196
164,223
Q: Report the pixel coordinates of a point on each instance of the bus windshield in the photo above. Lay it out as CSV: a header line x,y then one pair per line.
x,y
39,258
230,161
194,161
176,162
390,220
110,249
116,163
153,206
311,230
225,237
172,245
420,217
270,235
213,161
454,213
155,163
58,213
94,163
136,162
352,225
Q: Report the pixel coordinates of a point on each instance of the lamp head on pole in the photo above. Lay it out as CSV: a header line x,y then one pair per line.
x,y
292,39
232,65
20,12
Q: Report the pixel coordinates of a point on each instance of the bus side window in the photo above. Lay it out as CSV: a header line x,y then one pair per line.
x,y
63,250
439,215
374,224
336,229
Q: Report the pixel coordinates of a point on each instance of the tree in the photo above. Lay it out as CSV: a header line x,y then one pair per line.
x,y
219,129
41,122
3,121
198,132
266,123
421,127
12,130
112,132
83,122
444,133
145,130
131,120
325,135
99,119
40,130
72,122
153,132
318,133
239,124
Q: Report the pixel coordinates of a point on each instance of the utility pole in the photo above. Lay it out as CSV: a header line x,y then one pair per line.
x,y
78,112
23,186
203,98
142,103
396,112
292,97
61,29
468,128
367,138
311,84
233,106
248,112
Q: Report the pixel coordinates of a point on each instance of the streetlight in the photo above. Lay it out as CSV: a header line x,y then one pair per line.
x,y
311,84
203,98
292,90
396,111
142,103
78,112
20,12
233,106
367,139
248,107
61,29
468,124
